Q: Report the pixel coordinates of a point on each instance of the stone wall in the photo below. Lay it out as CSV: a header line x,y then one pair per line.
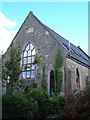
x,y
72,65
46,46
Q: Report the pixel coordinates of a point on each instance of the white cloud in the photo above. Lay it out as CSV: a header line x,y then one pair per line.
x,y
6,32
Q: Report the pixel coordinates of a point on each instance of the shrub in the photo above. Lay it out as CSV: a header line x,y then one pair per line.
x,y
41,102
56,104
17,107
78,107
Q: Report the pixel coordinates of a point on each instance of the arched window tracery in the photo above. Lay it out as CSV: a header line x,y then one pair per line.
x,y
28,68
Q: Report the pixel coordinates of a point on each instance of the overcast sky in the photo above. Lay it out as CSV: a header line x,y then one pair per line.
x,y
69,19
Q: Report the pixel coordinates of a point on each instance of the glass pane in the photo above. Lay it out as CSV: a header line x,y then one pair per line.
x,y
28,67
29,59
29,53
24,60
33,67
31,46
27,48
33,52
25,53
24,67
24,74
32,74
33,58
21,55
28,74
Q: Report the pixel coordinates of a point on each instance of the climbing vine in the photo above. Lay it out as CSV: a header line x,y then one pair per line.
x,y
58,72
43,81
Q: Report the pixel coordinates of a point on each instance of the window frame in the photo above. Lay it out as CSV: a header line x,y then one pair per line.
x,y
31,69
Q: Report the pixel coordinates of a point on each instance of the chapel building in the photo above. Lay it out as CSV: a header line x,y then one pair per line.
x,y
37,39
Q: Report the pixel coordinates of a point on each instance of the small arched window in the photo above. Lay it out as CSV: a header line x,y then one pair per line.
x,y
28,68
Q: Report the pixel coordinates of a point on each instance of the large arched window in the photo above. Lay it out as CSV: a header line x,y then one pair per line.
x,y
28,68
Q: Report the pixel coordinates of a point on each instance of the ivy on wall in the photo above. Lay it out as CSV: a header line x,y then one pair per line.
x,y
43,81
58,72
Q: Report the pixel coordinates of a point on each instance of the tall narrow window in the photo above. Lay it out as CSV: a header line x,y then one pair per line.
x,y
86,79
52,83
28,68
69,81
77,80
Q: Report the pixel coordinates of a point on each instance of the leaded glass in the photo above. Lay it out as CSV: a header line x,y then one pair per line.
x,y
27,48
28,74
25,61
33,52
29,59
32,74
28,69
25,53
24,74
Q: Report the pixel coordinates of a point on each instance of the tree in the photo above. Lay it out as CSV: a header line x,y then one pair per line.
x,y
58,72
43,81
12,69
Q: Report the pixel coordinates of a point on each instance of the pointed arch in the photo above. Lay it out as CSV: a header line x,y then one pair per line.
x,y
77,79
28,55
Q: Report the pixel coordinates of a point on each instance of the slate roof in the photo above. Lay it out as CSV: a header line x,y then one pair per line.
x,y
76,53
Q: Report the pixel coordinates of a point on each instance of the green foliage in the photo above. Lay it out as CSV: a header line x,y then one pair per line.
x,y
57,104
16,107
41,102
33,85
20,86
11,69
43,81
36,60
35,105
58,72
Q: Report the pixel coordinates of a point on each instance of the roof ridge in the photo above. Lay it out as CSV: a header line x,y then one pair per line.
x,y
56,32
69,41
45,27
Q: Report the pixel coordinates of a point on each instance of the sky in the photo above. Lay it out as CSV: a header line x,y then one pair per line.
x,y
69,19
